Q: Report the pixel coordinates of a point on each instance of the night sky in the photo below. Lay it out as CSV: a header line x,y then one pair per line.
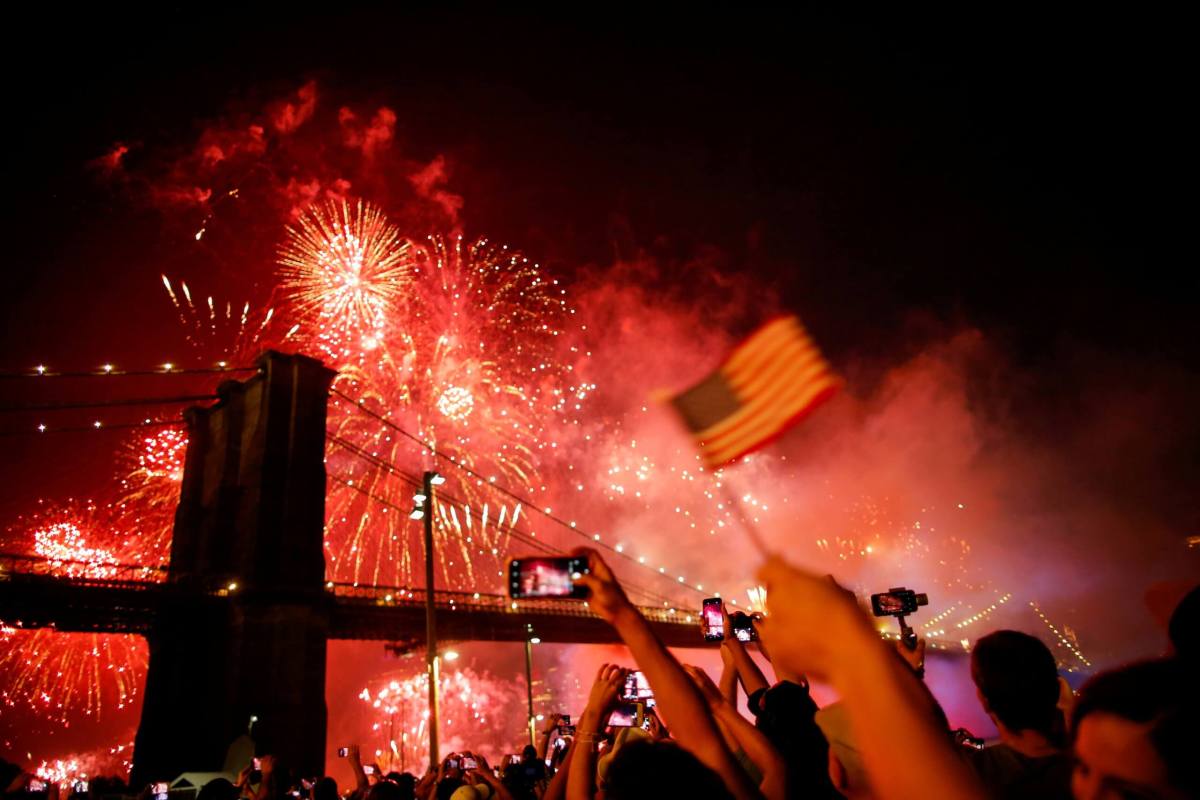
x,y
887,177
892,180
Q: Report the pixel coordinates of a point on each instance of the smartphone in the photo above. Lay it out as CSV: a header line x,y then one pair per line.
x,y
546,577
646,719
566,730
713,615
368,769
559,743
742,626
257,763
80,787
897,602
624,715
452,763
636,687
161,789
343,752
469,763
35,785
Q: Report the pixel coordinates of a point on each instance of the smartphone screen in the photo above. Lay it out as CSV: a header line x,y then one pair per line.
x,y
714,620
743,627
452,763
636,687
546,577
469,763
81,787
36,785
368,769
624,716
887,603
343,752
161,789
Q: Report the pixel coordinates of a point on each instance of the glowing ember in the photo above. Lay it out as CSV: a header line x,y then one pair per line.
x,y
65,546
162,454
469,364
344,270
470,702
456,403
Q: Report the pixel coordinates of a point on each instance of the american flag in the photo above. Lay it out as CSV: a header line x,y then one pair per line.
x,y
770,382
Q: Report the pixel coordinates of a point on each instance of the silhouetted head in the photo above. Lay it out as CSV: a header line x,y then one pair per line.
x,y
1134,728
659,769
1184,627
1017,680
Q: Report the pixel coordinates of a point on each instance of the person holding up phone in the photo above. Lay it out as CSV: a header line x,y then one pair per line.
x,y
478,777
784,711
678,698
816,627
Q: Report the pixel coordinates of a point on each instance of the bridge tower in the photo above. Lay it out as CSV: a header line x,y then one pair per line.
x,y
250,522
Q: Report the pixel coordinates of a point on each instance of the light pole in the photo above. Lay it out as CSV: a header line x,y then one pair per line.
x,y
423,509
530,641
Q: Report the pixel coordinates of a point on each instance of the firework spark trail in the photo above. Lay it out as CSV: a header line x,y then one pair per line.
x,y
469,363
470,704
345,270
60,674
223,331
151,465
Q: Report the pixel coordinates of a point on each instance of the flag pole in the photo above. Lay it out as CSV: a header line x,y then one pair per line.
x,y
756,537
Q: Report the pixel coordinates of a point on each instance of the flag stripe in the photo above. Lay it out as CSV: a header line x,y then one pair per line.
x,y
749,445
817,376
750,346
793,361
762,401
755,350
760,425
773,355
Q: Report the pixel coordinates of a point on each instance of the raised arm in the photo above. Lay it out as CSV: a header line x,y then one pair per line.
x,y
548,727
361,784
581,775
816,627
729,678
557,789
746,737
752,678
680,701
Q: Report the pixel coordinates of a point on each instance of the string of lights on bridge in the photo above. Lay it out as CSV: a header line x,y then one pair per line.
x,y
594,539
529,538
110,370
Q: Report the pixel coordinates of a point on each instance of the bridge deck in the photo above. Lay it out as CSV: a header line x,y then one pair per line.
x,y
129,601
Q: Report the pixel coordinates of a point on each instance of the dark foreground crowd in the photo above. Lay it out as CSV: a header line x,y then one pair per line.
x,y
1128,733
